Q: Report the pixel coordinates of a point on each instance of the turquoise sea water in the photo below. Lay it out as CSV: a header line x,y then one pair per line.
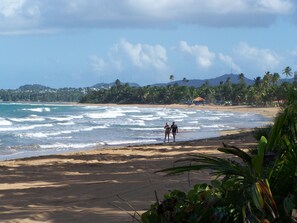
x,y
40,129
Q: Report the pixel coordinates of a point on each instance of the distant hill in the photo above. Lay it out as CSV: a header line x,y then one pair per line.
x,y
108,85
34,87
212,81
192,83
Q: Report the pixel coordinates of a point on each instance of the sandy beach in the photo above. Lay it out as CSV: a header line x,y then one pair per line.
x,y
105,185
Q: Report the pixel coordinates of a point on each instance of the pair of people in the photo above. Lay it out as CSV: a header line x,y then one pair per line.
x,y
173,128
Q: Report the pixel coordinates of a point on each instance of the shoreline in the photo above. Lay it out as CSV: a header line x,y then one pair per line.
x,y
269,112
265,111
99,185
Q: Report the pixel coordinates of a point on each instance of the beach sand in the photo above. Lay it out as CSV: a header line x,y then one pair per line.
x,y
104,185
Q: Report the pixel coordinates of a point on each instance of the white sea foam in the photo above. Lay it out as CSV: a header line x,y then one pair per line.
x,y
93,128
225,114
37,109
63,132
130,121
177,116
93,107
23,128
60,119
190,112
162,114
4,122
42,125
147,129
209,118
146,117
66,123
131,111
31,118
33,135
178,120
213,126
105,115
190,128
193,122
46,134
58,146
66,118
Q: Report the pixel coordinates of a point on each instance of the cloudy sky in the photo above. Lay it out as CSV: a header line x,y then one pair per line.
x,y
78,43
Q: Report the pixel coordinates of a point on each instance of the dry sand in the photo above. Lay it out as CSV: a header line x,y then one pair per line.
x,y
101,185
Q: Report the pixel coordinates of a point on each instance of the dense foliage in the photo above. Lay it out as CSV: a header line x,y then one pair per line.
x,y
255,186
43,95
264,91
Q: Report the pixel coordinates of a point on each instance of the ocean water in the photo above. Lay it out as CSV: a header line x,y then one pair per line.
x,y
40,129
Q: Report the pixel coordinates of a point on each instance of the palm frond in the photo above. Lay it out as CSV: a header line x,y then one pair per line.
x,y
218,166
233,150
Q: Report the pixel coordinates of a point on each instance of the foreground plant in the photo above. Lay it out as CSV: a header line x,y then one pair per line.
x,y
241,195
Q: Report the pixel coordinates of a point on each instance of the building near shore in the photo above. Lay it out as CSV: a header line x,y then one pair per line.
x,y
198,101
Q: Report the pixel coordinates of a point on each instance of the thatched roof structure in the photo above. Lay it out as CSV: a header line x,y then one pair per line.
x,y
198,99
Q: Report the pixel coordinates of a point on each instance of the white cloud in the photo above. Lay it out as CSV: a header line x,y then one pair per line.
x,y
229,62
275,6
20,15
139,55
204,58
176,8
98,64
263,58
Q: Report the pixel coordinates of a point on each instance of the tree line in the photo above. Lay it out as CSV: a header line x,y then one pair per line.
x,y
52,95
264,91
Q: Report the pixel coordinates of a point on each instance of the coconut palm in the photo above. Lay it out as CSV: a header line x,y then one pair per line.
x,y
288,71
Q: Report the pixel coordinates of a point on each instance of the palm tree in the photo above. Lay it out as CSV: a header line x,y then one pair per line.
x,y
287,71
275,78
185,80
241,78
171,77
257,82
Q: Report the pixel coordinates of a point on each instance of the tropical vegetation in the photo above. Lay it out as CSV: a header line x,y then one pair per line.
x,y
265,91
258,185
44,94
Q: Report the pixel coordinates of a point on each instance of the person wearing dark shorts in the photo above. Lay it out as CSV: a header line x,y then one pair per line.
x,y
174,130
167,132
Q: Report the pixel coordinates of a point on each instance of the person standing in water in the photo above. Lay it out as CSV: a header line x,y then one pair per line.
x,y
174,130
167,132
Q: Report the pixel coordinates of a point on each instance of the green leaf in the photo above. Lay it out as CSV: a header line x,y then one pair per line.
x,y
216,183
257,197
237,152
262,146
257,163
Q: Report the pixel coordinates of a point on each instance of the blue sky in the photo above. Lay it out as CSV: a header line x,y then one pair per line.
x,y
78,43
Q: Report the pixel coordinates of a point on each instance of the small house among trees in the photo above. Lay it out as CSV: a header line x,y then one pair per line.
x,y
198,101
